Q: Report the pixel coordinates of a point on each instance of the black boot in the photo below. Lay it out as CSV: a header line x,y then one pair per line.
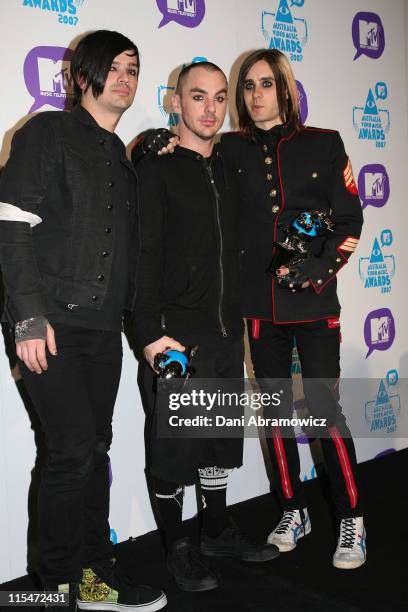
x,y
188,568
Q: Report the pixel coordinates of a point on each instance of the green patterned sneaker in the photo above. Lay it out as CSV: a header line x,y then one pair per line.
x,y
97,595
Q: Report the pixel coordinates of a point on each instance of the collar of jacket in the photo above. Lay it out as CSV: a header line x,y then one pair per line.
x,y
191,154
274,134
82,115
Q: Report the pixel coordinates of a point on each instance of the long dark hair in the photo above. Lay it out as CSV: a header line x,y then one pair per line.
x,y
93,58
286,89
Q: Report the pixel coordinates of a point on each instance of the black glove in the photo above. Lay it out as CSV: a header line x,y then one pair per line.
x,y
155,140
300,272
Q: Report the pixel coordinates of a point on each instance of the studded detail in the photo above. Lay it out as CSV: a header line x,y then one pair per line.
x,y
331,271
275,209
239,170
268,161
108,162
319,282
101,277
265,147
109,206
338,259
95,298
273,193
105,254
315,174
269,177
108,230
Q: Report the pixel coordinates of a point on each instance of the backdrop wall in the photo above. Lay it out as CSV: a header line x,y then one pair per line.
x,y
350,59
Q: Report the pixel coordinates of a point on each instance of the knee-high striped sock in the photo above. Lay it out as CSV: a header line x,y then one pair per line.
x,y
214,481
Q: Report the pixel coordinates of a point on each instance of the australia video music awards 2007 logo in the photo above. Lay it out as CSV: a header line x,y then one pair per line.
x,y
378,269
284,31
66,10
47,75
382,412
370,121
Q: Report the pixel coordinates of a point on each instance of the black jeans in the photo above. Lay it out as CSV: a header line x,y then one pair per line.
x,y
74,400
318,346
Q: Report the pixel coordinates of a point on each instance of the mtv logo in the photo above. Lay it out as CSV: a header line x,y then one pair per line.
x,y
184,6
386,238
369,34
380,330
54,77
374,185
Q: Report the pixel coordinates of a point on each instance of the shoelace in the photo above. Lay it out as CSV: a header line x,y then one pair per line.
x,y
347,533
285,521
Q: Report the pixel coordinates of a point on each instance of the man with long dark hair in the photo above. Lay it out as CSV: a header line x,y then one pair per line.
x,y
68,240
285,169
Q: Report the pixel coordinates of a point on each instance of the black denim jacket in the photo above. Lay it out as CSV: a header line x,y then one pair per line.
x,y
59,169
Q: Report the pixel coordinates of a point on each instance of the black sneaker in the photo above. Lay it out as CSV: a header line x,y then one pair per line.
x,y
70,591
189,569
94,594
232,542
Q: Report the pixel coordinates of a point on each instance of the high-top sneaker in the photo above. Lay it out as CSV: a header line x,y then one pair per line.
x,y
95,594
233,542
293,525
351,549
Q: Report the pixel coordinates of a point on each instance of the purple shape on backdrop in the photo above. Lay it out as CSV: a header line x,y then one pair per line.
x,y
304,109
386,452
303,439
188,13
379,330
368,35
47,76
373,185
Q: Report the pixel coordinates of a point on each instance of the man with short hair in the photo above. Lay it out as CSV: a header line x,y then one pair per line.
x,y
68,247
188,293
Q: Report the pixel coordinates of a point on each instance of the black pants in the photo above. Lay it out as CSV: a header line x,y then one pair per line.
x,y
74,399
177,460
318,346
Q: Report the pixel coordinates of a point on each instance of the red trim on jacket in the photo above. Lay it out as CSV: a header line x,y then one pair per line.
x,y
280,212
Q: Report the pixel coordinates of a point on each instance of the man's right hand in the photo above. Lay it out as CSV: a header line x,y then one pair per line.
x,y
33,354
161,346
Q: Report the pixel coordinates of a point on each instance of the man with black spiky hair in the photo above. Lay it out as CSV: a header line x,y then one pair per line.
x,y
68,245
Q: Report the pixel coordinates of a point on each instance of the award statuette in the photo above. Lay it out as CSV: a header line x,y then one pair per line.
x,y
299,234
175,364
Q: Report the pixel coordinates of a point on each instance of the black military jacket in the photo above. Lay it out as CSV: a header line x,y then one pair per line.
x,y
281,175
60,170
